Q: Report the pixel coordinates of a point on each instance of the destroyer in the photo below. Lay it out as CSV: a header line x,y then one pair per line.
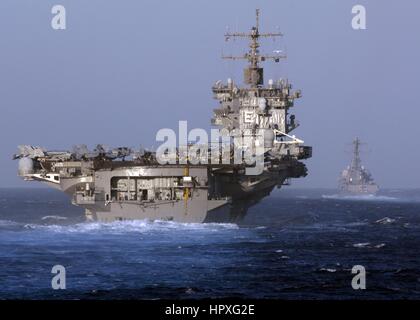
x,y
121,184
356,179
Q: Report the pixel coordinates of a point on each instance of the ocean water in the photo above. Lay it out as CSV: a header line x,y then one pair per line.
x,y
295,244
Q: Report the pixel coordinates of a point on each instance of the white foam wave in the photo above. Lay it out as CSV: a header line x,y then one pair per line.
x,y
369,245
381,245
361,245
7,223
364,197
139,226
385,220
331,270
54,218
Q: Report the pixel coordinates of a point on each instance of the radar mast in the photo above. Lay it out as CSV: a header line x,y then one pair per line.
x,y
356,162
253,73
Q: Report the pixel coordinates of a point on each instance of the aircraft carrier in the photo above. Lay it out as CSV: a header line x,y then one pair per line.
x,y
122,184
356,179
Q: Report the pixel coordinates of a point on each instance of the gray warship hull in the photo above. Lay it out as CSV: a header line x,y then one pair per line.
x,y
356,179
126,191
191,188
359,189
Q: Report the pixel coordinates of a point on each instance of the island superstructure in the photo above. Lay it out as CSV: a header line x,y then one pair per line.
x,y
122,184
356,179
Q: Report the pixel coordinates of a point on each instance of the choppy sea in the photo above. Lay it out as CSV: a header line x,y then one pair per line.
x,y
295,244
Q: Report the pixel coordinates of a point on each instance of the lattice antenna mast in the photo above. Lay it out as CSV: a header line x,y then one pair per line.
x,y
253,73
356,162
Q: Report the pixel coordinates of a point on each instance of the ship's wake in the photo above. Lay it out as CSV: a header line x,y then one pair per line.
x,y
365,197
118,227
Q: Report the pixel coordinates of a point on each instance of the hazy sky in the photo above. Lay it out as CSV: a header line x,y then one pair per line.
x,y
124,69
